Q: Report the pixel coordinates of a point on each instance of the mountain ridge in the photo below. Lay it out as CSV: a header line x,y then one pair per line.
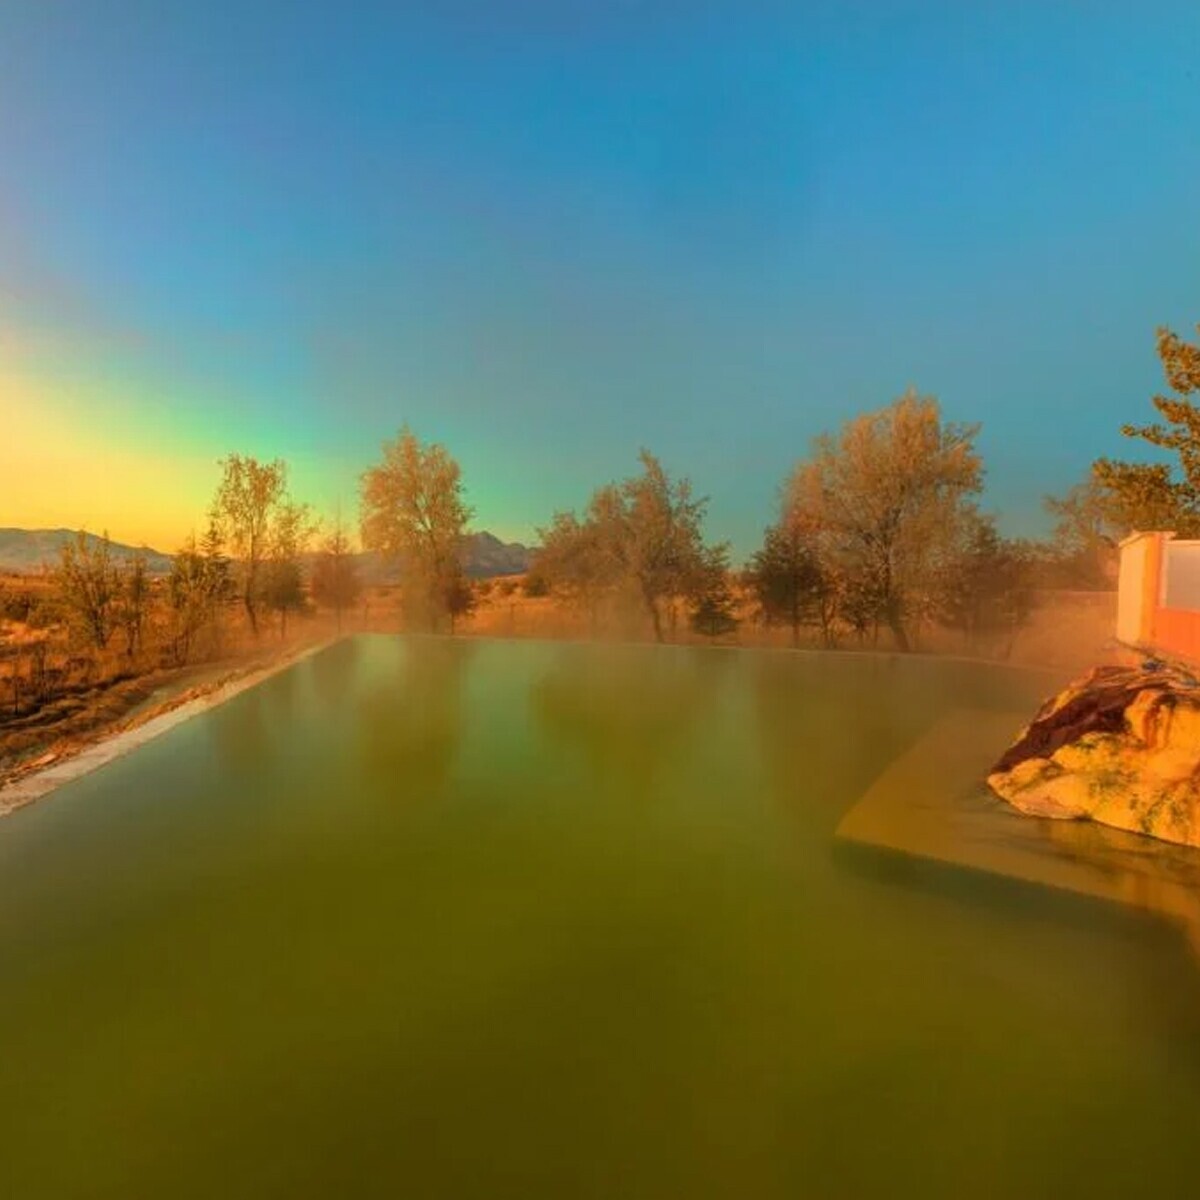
x,y
27,551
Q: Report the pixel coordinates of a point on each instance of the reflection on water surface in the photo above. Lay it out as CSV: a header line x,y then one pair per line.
x,y
445,918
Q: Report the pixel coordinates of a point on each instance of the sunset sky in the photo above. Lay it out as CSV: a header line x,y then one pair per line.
x,y
548,233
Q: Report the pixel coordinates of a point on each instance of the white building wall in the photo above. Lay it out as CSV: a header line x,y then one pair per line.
x,y
1130,589
1181,575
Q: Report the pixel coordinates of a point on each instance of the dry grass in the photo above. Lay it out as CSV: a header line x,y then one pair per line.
x,y
56,697
1067,630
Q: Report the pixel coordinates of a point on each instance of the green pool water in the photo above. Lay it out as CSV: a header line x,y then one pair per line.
x,y
447,918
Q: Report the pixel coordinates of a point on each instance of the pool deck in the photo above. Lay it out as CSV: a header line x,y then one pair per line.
x,y
931,804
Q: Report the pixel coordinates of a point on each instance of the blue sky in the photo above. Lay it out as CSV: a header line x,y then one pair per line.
x,y
547,234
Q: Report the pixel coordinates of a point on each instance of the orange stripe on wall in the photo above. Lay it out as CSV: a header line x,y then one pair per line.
x,y
1177,631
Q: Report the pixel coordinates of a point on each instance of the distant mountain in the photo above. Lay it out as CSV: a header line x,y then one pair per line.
x,y
26,551
486,557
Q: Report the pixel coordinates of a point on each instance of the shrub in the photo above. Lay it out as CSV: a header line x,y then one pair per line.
x,y
15,605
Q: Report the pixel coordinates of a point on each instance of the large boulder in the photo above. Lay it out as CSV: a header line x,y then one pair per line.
x,y
1120,746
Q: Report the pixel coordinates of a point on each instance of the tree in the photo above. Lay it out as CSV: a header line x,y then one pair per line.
x,y
198,588
987,587
712,610
789,581
283,579
886,495
661,544
218,587
640,540
575,560
248,498
413,513
859,605
642,535
335,580
536,584
88,586
458,598
187,589
133,601
1150,495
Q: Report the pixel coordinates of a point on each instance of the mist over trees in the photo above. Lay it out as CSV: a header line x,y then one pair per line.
x,y
413,513
199,588
887,498
878,531
792,585
639,542
335,579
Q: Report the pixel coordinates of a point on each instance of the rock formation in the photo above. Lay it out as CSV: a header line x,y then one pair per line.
x,y
1120,746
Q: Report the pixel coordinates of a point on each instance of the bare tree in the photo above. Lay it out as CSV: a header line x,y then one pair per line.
x,y
335,581
198,589
134,601
292,529
413,513
88,587
247,501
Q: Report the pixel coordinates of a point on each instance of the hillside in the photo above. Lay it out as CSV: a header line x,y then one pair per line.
x,y
26,551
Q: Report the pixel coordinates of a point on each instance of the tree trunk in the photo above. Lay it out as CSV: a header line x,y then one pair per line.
x,y
895,623
652,609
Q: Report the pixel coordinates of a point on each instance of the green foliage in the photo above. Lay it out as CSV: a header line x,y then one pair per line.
x,y
458,597
1147,496
642,537
987,586
712,612
282,588
788,580
282,583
